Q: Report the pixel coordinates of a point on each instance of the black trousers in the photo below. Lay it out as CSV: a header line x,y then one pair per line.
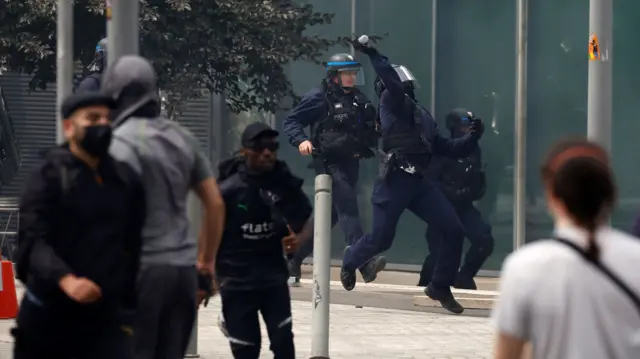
x,y
166,311
44,331
240,311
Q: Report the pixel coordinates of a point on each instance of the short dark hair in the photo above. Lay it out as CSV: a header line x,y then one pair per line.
x,y
578,172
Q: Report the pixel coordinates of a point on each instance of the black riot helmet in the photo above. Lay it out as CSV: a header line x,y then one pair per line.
x,y
459,120
406,76
343,62
100,57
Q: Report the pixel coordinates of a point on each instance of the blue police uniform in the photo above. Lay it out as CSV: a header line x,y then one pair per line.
x,y
91,82
336,117
410,136
463,181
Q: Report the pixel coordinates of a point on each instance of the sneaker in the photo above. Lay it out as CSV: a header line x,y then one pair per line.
x,y
445,297
371,269
295,273
348,278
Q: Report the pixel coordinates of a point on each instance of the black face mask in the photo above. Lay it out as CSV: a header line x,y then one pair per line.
x,y
96,140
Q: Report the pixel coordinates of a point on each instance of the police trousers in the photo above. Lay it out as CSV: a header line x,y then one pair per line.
x,y
476,230
46,331
166,311
240,310
391,196
344,174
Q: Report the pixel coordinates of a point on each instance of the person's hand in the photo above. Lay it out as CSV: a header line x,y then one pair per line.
x,y
362,44
207,288
81,290
305,148
477,127
290,242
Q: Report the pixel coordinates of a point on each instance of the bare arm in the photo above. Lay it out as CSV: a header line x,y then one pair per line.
x,y
509,347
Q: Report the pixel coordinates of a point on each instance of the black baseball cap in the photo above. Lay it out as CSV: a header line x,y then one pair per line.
x,y
255,130
84,99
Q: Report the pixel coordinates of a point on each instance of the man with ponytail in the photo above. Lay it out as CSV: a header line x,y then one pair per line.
x,y
574,295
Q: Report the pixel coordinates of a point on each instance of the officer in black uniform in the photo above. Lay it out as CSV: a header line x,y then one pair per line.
x,y
264,201
91,82
342,125
463,181
410,137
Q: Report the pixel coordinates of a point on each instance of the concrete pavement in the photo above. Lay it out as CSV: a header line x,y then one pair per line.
x,y
361,327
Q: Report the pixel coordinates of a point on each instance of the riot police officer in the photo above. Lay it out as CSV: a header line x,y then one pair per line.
x,y
342,131
91,82
463,182
410,137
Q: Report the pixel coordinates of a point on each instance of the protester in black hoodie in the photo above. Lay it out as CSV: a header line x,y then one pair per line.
x,y
81,215
265,207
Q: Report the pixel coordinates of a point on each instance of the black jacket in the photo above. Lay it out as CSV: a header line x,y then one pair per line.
x,y
74,220
258,208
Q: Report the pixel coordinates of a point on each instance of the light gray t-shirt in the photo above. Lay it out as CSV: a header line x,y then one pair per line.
x,y
565,306
170,163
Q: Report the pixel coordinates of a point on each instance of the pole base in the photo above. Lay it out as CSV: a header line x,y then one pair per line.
x,y
319,358
192,356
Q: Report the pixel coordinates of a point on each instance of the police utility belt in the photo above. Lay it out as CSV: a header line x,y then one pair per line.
x,y
392,160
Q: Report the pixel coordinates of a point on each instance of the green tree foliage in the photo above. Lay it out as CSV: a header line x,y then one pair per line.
x,y
236,47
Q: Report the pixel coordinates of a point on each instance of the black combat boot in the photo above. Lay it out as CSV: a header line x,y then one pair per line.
x,y
371,269
445,297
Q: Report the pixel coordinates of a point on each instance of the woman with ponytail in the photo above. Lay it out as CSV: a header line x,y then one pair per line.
x,y
575,295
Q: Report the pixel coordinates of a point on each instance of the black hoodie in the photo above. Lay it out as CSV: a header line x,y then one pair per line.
x,y
81,221
259,208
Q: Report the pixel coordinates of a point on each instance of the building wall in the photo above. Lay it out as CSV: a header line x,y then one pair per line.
x,y
475,61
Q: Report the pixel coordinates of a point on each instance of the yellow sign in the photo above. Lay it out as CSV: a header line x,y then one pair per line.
x,y
594,48
108,10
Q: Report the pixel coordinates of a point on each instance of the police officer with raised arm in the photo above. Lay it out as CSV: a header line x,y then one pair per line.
x,y
410,137
342,130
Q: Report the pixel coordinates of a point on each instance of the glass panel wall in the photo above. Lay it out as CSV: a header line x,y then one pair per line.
x,y
556,92
476,70
626,122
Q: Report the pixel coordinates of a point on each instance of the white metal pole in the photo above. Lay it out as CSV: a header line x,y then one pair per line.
x,y
520,187
599,108
64,59
321,268
123,30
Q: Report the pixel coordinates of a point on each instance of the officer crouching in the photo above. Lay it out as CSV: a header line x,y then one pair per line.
x,y
81,215
463,181
263,202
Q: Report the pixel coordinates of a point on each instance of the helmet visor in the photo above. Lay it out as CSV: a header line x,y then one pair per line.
x,y
406,75
351,76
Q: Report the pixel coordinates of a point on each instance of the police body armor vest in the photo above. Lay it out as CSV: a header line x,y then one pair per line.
x,y
408,140
348,129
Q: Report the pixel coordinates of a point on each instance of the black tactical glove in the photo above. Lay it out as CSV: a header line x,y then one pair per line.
x,y
364,48
205,286
477,127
